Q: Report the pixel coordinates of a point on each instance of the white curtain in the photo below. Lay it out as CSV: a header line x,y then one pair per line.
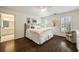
x,y
66,23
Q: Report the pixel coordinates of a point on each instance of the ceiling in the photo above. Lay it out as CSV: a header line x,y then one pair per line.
x,y
36,10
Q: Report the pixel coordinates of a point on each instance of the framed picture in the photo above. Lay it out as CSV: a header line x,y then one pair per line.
x,y
34,21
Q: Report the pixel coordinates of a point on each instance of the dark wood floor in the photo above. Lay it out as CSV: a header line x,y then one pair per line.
x,y
55,44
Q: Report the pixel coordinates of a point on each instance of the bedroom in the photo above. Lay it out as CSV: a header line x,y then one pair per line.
x,y
44,23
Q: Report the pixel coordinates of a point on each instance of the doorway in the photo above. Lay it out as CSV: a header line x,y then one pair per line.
x,y
7,27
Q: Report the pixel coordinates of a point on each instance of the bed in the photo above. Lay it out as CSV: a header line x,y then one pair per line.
x,y
39,35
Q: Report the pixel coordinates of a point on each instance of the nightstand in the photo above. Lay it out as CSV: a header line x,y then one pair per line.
x,y
71,36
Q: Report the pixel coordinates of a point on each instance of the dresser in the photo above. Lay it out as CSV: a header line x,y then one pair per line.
x,y
77,41
71,36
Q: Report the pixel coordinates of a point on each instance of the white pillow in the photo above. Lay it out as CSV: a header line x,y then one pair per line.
x,y
37,27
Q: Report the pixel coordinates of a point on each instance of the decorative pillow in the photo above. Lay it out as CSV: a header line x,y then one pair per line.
x,y
32,27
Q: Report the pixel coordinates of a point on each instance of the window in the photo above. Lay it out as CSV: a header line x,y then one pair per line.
x,y
66,23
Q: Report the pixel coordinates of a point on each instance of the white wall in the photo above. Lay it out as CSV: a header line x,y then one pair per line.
x,y
20,19
75,20
57,20
48,20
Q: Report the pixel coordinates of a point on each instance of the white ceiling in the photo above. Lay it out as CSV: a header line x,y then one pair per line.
x,y
36,11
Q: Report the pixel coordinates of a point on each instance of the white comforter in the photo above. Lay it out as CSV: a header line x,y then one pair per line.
x,y
40,35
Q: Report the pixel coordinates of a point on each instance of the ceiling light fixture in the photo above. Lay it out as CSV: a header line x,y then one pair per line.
x,y
43,8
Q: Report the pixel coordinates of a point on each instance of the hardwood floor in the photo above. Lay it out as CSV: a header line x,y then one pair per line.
x,y
55,44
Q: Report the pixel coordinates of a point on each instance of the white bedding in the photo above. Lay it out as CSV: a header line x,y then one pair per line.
x,y
40,35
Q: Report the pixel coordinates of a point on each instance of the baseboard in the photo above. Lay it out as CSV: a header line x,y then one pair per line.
x,y
19,38
11,40
60,36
